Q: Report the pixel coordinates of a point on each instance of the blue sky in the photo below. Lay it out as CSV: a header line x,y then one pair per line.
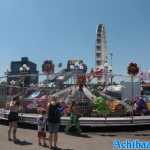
x,y
66,29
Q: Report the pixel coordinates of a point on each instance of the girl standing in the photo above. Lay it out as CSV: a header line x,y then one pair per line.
x,y
13,118
42,121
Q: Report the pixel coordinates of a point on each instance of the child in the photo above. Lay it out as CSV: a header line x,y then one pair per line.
x,y
42,121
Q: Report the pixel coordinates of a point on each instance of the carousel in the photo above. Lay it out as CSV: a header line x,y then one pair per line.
x,y
96,103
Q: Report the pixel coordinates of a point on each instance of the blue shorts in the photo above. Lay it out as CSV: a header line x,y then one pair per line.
x,y
53,127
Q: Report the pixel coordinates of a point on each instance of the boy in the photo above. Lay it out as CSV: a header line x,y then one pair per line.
x,y
42,121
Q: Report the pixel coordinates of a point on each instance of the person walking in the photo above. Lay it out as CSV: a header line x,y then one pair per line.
x,y
54,116
13,118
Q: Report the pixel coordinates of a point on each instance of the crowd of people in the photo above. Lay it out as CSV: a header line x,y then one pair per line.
x,y
50,118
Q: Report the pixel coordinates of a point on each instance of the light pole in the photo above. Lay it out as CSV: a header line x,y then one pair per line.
x,y
111,59
111,63
24,69
133,70
106,66
12,83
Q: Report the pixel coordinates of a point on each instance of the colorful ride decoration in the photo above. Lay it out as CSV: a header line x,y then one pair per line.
x,y
35,101
148,106
140,106
48,67
145,76
133,69
101,106
81,81
113,104
99,72
77,65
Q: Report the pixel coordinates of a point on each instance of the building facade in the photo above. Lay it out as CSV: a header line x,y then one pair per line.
x,y
24,71
101,48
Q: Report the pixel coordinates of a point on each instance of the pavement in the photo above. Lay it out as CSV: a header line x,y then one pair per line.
x,y
88,140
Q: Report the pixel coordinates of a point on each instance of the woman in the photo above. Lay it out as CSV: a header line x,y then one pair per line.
x,y
53,122
13,117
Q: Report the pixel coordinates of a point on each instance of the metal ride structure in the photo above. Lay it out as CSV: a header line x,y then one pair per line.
x,y
64,76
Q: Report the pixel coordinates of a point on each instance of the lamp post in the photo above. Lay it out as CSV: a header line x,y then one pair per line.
x,y
133,70
111,59
110,75
48,69
106,66
24,69
12,83
110,68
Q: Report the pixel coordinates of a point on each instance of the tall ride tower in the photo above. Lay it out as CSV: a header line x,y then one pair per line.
x,y
101,49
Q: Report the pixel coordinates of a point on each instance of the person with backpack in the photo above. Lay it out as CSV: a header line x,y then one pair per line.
x,y
54,116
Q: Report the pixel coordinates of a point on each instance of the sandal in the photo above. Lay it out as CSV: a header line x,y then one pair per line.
x,y
51,147
45,145
16,141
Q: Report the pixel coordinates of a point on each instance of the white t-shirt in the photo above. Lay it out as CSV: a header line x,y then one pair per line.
x,y
41,122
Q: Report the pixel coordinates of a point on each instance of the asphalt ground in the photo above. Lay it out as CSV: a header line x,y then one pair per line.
x,y
90,139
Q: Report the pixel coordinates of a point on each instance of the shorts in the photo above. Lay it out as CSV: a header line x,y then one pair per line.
x,y
13,116
53,127
41,134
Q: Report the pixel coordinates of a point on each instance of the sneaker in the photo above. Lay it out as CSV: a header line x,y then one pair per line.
x,y
16,141
45,145
56,148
